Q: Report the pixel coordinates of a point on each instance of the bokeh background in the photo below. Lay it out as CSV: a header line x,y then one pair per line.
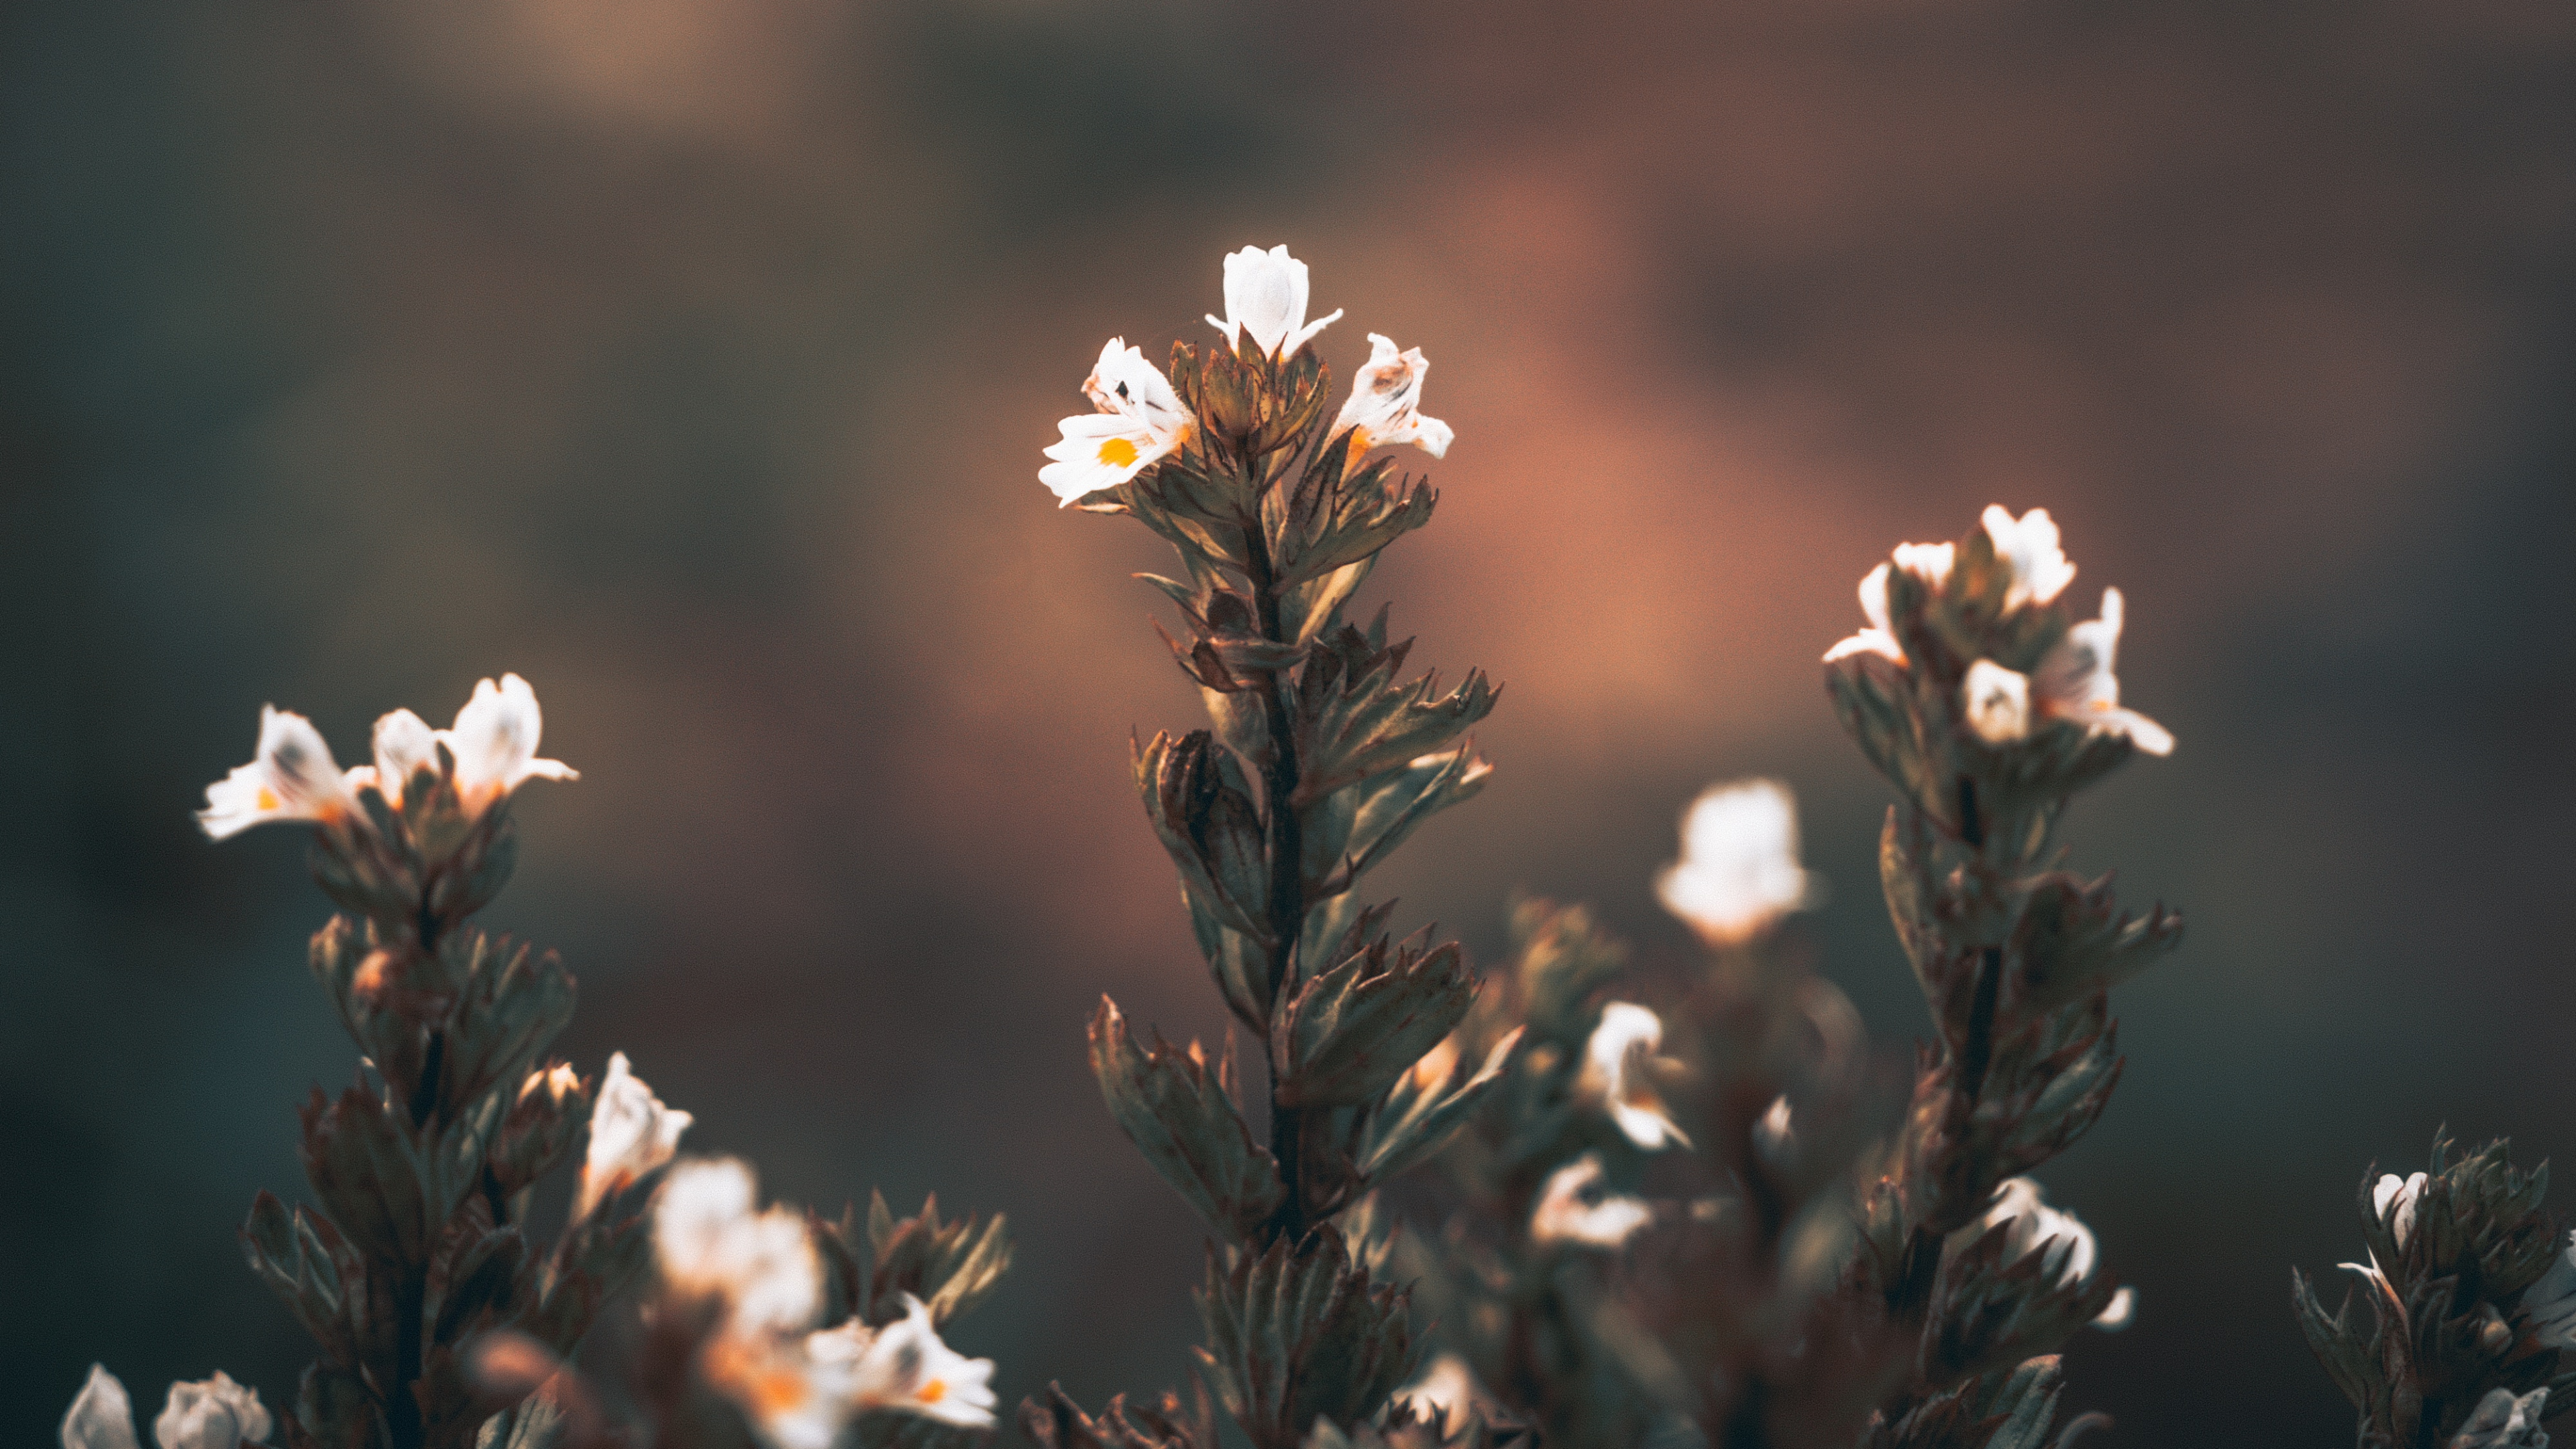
x,y
692,358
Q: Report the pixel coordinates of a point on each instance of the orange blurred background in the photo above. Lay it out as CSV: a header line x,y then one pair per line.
x,y
692,358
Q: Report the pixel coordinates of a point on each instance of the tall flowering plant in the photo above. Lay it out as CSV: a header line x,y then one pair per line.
x,y
1320,759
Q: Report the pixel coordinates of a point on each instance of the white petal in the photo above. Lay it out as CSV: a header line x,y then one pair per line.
x,y
404,745
1566,1213
215,1413
631,1134
1739,869
1386,396
1266,296
1615,1073
1996,702
495,740
709,1242
101,1417
904,1366
2028,546
2120,1312
293,777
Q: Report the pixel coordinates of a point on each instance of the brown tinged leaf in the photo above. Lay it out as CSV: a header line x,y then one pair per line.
x,y
1350,1031
1301,1332
1059,1423
1179,1110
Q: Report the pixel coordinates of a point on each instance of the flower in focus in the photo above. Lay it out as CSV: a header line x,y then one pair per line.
x,y
2503,1421
1446,1393
2393,1198
1616,1071
2550,1304
293,777
1140,419
1739,869
631,1134
1928,562
1996,701
1386,395
213,1413
1570,1210
710,1244
2075,682
1265,295
904,1366
494,741
2028,546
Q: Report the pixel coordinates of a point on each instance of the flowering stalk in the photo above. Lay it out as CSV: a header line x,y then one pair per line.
x,y
1987,707
1319,763
418,1242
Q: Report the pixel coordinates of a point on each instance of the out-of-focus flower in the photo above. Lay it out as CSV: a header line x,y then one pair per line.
x,y
1571,1211
1739,870
1140,419
710,1243
293,777
1929,562
1265,295
1447,1392
1773,1135
631,1133
1386,398
1996,702
2504,1421
101,1416
904,1366
214,1413
2028,546
494,741
2031,1226
2120,1312
2075,683
2550,1304
1616,1072
2393,1198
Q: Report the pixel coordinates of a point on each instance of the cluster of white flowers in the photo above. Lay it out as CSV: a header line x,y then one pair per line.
x,y
213,1413
1739,871
293,777
1139,418
2074,684
797,1386
2030,1225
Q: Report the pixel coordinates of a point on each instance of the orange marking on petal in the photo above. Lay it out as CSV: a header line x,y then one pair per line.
x,y
933,1391
1117,452
267,798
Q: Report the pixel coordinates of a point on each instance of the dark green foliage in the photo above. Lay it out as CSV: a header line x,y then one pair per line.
x,y
1301,1332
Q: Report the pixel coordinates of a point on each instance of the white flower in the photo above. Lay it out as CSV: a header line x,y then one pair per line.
x,y
2550,1304
1386,396
2075,682
1570,1212
293,777
2393,1198
2028,547
904,1366
2120,1312
1996,701
2031,1226
215,1413
494,741
1265,295
631,1133
710,1243
1739,869
101,1417
1929,562
1615,1071
2503,1421
404,746
1140,419
1447,1393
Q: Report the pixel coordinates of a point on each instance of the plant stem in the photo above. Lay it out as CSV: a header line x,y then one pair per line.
x,y
1287,874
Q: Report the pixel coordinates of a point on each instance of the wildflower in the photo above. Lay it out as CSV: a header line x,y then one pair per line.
x,y
631,1134
1616,1065
2504,1421
2393,1198
1385,397
1996,701
1265,295
1739,871
1570,1211
2550,1304
405,745
213,1413
1446,1393
1928,562
2075,683
2030,1225
2028,546
2120,1312
710,1243
904,1366
1140,420
494,741
293,777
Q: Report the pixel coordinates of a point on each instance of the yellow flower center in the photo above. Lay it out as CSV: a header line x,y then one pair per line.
x,y
937,1389
1117,452
267,798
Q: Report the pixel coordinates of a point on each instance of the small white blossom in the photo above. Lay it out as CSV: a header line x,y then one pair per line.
x,y
494,741
1447,1393
1929,562
904,1366
2550,1304
214,1413
1570,1211
2120,1312
2075,682
404,746
1265,295
711,1243
1139,421
1739,870
631,1133
1616,1072
2031,1226
101,1417
2503,1421
293,777
1996,701
2393,1198
1386,397
2028,546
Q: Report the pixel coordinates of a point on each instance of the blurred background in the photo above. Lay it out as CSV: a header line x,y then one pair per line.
x,y
692,358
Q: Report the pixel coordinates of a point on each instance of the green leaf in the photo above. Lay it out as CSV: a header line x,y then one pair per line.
x,y
1300,1332
1348,1033
1417,1117
1178,1108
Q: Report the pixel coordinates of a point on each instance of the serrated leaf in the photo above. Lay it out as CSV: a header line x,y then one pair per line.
x,y
1179,1111
1349,1032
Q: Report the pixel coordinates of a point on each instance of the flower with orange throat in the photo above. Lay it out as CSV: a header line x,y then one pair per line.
x,y
1386,399
631,1134
293,777
1616,1073
1139,421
